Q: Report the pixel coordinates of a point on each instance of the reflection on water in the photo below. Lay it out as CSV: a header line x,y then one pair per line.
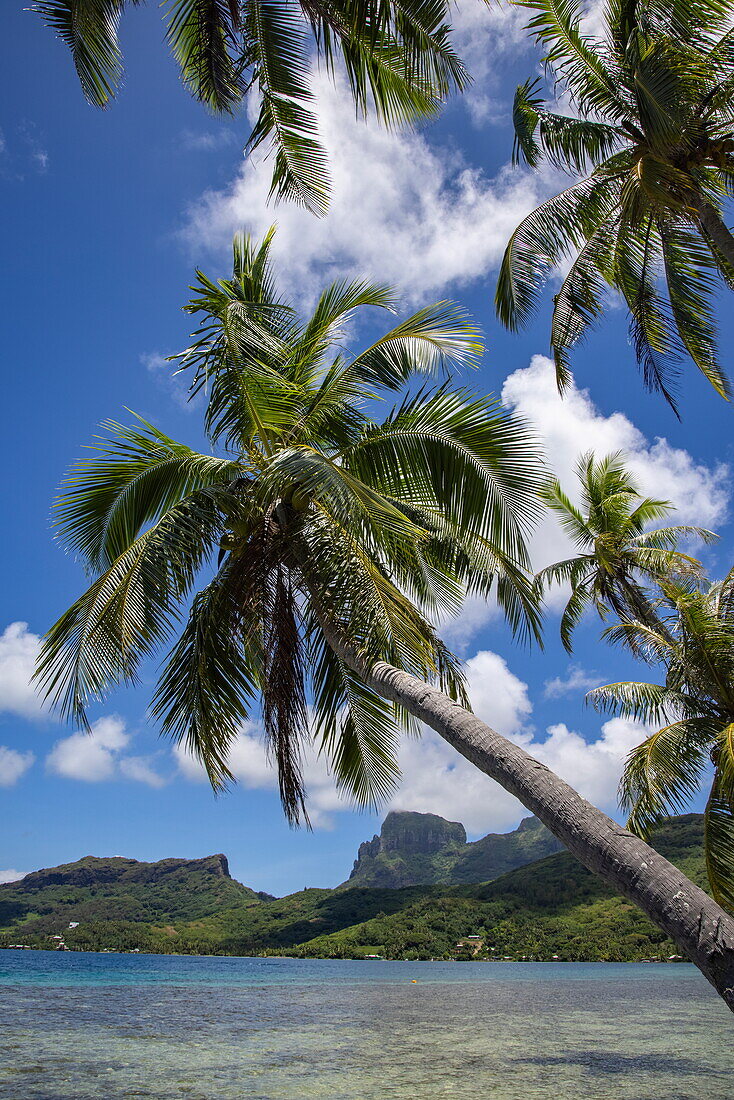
x,y
88,1027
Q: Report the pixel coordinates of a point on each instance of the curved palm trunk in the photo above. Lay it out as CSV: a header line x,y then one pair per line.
x,y
714,228
703,931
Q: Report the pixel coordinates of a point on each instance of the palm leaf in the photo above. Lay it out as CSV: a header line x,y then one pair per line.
x,y
663,773
89,29
203,36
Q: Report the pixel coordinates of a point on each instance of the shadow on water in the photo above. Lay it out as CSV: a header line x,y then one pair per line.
x,y
605,1062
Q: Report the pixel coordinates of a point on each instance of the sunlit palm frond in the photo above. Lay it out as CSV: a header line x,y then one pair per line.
x,y
663,773
89,29
397,56
651,124
137,474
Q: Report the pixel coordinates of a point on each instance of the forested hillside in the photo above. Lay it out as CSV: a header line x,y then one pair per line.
x,y
552,907
423,849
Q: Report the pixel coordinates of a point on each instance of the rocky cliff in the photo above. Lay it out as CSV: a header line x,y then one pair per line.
x,y
423,849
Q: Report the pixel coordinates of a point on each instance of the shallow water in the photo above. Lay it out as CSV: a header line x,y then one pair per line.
x,y
82,1026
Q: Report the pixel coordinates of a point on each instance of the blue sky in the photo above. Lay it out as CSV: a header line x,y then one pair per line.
x,y
105,215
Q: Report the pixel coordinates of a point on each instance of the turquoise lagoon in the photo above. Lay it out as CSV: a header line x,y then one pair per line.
x,y
84,1026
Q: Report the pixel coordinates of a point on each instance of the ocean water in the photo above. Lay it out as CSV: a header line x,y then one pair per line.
x,y
84,1026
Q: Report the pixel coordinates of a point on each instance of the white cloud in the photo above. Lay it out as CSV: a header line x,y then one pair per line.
x,y
576,679
19,649
427,763
497,694
571,425
99,755
436,779
475,614
11,875
248,762
13,765
165,375
140,769
90,756
199,141
483,33
402,211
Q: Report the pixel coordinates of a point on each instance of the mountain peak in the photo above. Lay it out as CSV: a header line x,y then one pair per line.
x,y
116,888
414,849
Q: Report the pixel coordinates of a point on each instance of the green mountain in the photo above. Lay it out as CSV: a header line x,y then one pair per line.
x,y
423,849
120,889
550,908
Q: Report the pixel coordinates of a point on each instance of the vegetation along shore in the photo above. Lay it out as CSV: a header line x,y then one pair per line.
x,y
543,909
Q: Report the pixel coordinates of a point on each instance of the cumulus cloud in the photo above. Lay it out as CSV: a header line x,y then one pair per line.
x,y
497,694
11,875
13,765
571,425
248,761
483,34
99,755
89,756
436,779
576,679
18,651
140,769
475,614
402,211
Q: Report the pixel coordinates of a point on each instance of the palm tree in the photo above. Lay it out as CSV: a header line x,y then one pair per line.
x,y
397,56
696,706
616,550
320,540
652,139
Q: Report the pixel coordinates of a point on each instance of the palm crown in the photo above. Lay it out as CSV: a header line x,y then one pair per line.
x,y
696,706
653,130
314,515
618,553
396,55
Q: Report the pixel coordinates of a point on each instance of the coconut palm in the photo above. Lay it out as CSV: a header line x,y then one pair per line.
x,y
397,56
695,705
311,552
651,136
618,554
313,509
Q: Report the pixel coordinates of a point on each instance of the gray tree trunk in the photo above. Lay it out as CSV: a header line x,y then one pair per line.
x,y
714,228
702,930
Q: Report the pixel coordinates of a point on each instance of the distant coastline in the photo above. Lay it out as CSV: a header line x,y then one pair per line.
x,y
544,910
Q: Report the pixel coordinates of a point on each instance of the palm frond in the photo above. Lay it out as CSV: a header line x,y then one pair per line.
x,y
89,29
203,36
130,609
211,678
137,474
431,341
593,84
549,234
719,843
663,773
281,65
